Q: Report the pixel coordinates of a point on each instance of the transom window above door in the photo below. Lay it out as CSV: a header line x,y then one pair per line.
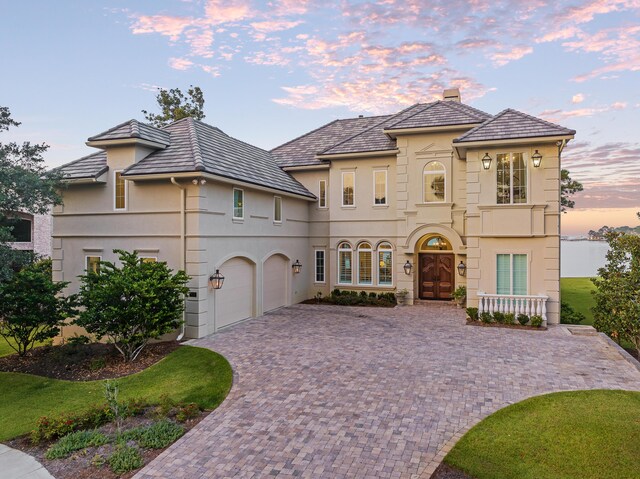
x,y
436,243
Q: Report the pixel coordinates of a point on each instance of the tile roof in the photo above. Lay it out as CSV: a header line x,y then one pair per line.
x,y
196,146
442,113
302,151
134,129
513,124
90,166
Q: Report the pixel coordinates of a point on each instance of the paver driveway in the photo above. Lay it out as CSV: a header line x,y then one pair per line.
x,y
324,391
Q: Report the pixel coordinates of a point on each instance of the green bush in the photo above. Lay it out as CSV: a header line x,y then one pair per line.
x,y
124,459
486,317
363,294
498,317
472,313
187,411
155,436
372,295
164,407
78,340
460,292
75,441
509,318
335,293
136,406
523,319
536,321
570,316
50,428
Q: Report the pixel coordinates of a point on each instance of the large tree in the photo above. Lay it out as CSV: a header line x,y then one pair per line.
x,y
25,186
174,106
568,187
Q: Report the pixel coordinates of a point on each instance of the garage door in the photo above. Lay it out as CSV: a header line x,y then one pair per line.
x,y
274,288
234,302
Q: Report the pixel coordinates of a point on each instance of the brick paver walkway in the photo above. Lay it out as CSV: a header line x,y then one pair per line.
x,y
332,392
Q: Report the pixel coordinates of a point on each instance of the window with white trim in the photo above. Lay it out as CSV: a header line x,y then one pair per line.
x,y
365,254
238,204
345,257
511,274
92,264
380,187
319,265
119,191
385,264
511,178
322,194
434,182
277,209
348,188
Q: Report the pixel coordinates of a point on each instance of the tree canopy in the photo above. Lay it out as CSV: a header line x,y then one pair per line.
x,y
568,187
174,106
25,186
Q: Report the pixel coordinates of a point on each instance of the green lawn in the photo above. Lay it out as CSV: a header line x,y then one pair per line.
x,y
187,374
581,435
577,292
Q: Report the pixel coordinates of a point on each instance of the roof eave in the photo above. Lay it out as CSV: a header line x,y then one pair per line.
x,y
357,154
126,141
393,132
462,146
323,166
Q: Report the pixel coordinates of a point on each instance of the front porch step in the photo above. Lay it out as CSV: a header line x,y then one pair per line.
x,y
434,302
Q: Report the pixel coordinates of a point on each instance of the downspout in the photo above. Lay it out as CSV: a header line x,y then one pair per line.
x,y
182,247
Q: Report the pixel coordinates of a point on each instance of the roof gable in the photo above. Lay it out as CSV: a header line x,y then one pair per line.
x,y
442,113
133,129
513,124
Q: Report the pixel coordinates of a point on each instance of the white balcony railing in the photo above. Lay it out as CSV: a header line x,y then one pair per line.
x,y
509,303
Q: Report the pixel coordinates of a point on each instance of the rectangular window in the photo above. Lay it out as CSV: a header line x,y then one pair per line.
x,y
364,267
380,187
511,178
238,204
148,259
120,190
92,264
322,194
344,267
277,209
348,188
385,275
20,229
319,266
511,274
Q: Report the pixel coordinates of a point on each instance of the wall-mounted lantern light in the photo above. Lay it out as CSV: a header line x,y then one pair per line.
x,y
407,268
216,280
297,266
537,159
462,269
486,161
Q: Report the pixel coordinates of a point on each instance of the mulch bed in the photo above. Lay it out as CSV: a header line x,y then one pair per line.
x,y
445,471
79,465
500,325
85,362
331,303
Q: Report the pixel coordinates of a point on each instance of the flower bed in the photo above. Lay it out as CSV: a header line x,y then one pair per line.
x,y
354,298
504,320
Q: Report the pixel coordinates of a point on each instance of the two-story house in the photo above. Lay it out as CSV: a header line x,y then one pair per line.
x,y
433,197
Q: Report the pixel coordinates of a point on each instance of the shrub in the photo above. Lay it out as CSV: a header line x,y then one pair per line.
x,y
472,313
570,316
50,428
96,364
78,340
509,318
132,303
164,407
536,321
32,308
159,434
523,319
498,317
363,294
486,317
124,459
136,406
187,411
74,442
460,292
335,293
372,295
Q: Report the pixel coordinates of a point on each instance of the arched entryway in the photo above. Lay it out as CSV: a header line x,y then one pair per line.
x,y
436,267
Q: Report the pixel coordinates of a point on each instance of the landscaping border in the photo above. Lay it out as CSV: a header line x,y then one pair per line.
x,y
625,355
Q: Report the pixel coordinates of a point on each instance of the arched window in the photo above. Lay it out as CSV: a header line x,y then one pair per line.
x,y
344,263
435,243
435,182
365,274
385,264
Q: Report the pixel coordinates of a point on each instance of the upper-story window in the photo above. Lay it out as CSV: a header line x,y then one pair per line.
x,y
238,204
344,263
92,264
322,194
120,191
380,187
511,178
364,263
277,209
435,182
348,188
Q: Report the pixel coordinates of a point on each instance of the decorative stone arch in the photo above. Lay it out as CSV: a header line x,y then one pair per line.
x,y
382,241
274,292
237,299
238,254
432,229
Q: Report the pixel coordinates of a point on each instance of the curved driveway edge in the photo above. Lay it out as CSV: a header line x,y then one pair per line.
x,y
325,391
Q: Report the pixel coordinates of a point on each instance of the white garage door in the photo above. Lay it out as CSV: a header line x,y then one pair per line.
x,y
275,282
234,302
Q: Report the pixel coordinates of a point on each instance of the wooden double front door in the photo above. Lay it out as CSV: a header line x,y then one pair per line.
x,y
436,275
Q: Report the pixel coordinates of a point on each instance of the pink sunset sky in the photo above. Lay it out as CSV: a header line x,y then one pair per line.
x,y
273,70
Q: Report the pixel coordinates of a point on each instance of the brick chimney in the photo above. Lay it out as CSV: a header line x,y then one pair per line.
x,y
451,94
